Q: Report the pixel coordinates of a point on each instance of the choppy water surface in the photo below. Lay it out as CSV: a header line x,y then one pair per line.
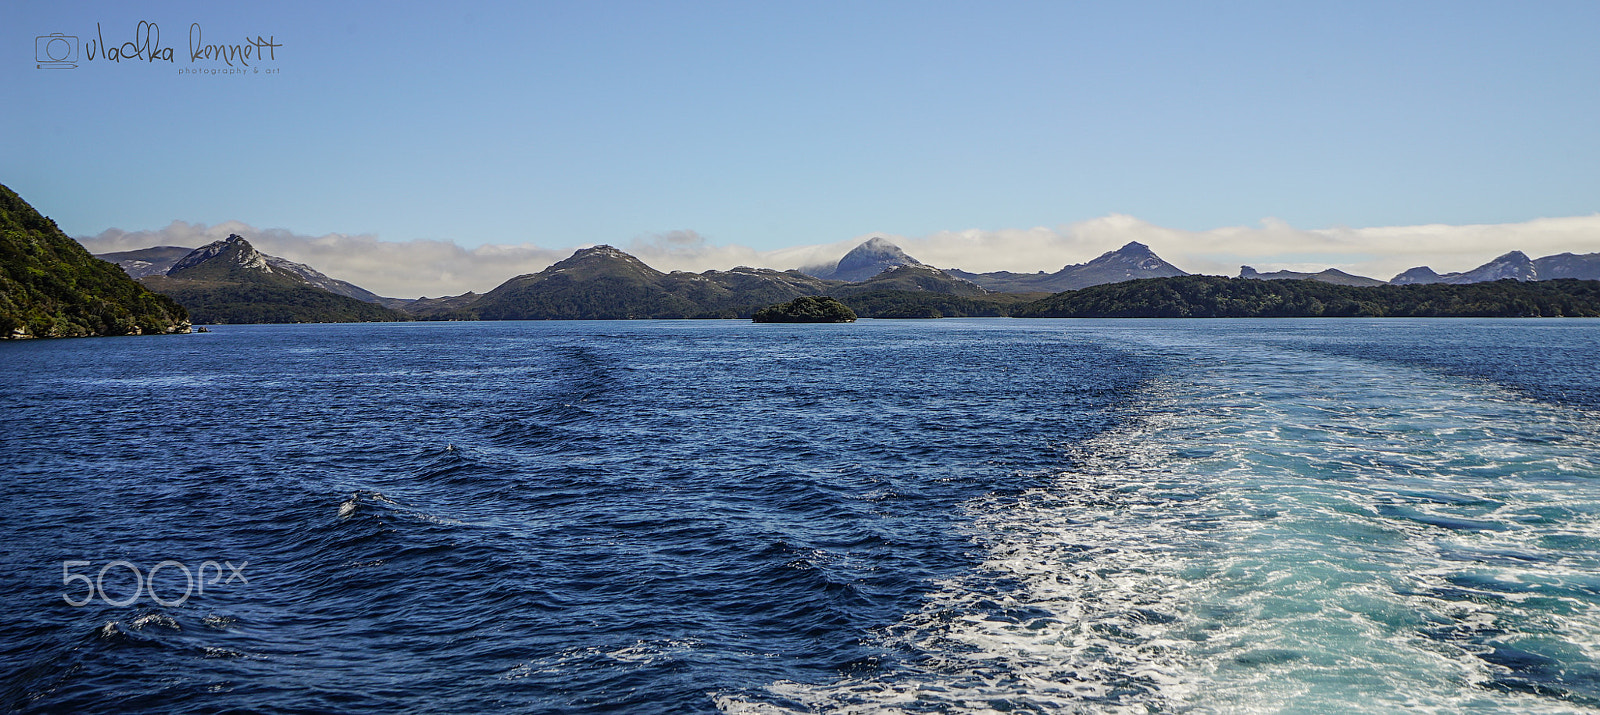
x,y
917,517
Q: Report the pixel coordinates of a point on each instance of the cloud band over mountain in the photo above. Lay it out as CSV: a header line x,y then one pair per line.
x,y
409,269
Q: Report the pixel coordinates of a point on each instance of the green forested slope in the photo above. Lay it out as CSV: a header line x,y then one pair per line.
x,y
50,286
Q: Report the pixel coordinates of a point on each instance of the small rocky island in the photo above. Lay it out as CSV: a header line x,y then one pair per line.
x,y
820,309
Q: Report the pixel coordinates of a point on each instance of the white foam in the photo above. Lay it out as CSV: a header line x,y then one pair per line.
x,y
637,654
155,619
1261,538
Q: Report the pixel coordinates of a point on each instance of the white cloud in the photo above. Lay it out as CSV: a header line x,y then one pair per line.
x,y
423,267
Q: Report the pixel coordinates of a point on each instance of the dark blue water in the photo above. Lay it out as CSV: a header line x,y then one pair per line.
x,y
561,517
666,517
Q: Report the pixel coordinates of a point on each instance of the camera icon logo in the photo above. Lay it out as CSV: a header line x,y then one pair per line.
x,y
56,51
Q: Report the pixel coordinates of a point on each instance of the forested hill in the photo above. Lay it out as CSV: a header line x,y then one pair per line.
x,y
1217,297
50,286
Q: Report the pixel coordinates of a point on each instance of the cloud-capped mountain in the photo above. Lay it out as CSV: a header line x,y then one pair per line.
x,y
873,256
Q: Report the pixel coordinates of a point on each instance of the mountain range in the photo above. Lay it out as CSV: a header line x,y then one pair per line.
x,y
606,283
1513,266
229,281
1135,261
50,286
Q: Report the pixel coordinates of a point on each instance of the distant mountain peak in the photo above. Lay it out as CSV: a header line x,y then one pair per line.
x,y
595,262
233,259
602,250
1514,265
1568,265
234,250
875,255
1420,275
1132,260
597,256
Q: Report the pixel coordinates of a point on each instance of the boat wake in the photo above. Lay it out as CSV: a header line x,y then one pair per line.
x,y
1260,538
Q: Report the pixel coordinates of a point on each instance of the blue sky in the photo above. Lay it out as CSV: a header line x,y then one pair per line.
x,y
770,124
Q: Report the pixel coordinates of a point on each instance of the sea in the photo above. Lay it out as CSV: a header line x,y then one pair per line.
x,y
940,516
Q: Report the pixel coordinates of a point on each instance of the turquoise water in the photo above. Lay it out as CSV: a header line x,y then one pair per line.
x,y
955,516
1277,527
